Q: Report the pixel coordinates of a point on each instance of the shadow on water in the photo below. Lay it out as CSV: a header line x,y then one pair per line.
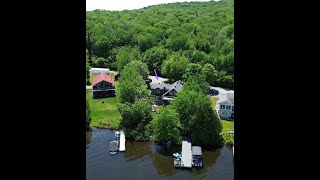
x,y
88,137
209,159
162,159
136,150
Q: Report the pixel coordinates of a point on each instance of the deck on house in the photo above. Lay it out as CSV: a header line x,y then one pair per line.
x,y
122,146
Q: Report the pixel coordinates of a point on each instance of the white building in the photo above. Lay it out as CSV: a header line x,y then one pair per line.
x,y
99,70
226,106
154,80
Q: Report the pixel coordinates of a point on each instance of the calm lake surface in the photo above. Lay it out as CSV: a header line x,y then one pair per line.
x,y
147,160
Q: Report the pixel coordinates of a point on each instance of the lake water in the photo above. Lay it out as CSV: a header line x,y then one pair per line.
x,y
147,160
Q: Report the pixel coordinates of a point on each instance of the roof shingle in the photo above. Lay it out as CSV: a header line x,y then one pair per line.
x,y
102,77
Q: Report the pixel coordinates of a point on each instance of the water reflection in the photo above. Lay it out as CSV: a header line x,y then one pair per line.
x,y
150,161
209,159
88,137
136,150
162,159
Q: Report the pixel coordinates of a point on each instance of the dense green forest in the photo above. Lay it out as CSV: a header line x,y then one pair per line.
x,y
175,39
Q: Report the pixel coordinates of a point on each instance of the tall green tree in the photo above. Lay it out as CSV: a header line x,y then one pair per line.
x,y
131,86
227,81
87,69
197,83
140,67
178,41
125,55
192,70
210,74
154,58
174,67
197,116
145,41
135,118
167,126
203,32
100,62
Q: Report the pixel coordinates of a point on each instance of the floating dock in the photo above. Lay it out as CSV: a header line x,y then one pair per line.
x,y
122,146
186,156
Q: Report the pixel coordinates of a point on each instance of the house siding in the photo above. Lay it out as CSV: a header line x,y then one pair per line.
x,y
103,89
154,92
225,112
103,85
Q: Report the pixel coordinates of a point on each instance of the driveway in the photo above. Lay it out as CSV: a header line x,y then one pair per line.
x,y
218,92
221,91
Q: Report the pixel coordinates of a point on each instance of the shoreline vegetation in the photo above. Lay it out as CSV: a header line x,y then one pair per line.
x,y
106,116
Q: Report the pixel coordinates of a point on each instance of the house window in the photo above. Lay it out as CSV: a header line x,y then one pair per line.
x,y
158,91
228,107
232,108
222,106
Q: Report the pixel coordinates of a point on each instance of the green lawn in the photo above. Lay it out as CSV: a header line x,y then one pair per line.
x,y
155,117
214,101
104,115
227,124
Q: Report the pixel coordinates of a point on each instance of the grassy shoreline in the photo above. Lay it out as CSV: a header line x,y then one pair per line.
x,y
106,115
104,112
227,124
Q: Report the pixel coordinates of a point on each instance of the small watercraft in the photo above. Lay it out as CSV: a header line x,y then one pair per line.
x,y
114,147
117,135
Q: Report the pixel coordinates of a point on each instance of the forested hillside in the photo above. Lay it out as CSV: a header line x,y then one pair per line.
x,y
179,40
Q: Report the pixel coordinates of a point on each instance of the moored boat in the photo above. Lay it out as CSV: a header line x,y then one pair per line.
x,y
114,147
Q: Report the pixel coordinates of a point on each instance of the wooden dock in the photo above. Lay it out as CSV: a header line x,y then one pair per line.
x,y
186,156
122,146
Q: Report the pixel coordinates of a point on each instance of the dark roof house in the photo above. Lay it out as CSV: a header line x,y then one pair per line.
x,y
162,89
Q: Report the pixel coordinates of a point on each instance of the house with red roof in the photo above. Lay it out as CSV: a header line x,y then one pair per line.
x,y
103,86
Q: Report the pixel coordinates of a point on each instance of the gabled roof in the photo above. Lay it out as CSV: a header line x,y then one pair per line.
x,y
229,97
102,77
161,86
177,86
